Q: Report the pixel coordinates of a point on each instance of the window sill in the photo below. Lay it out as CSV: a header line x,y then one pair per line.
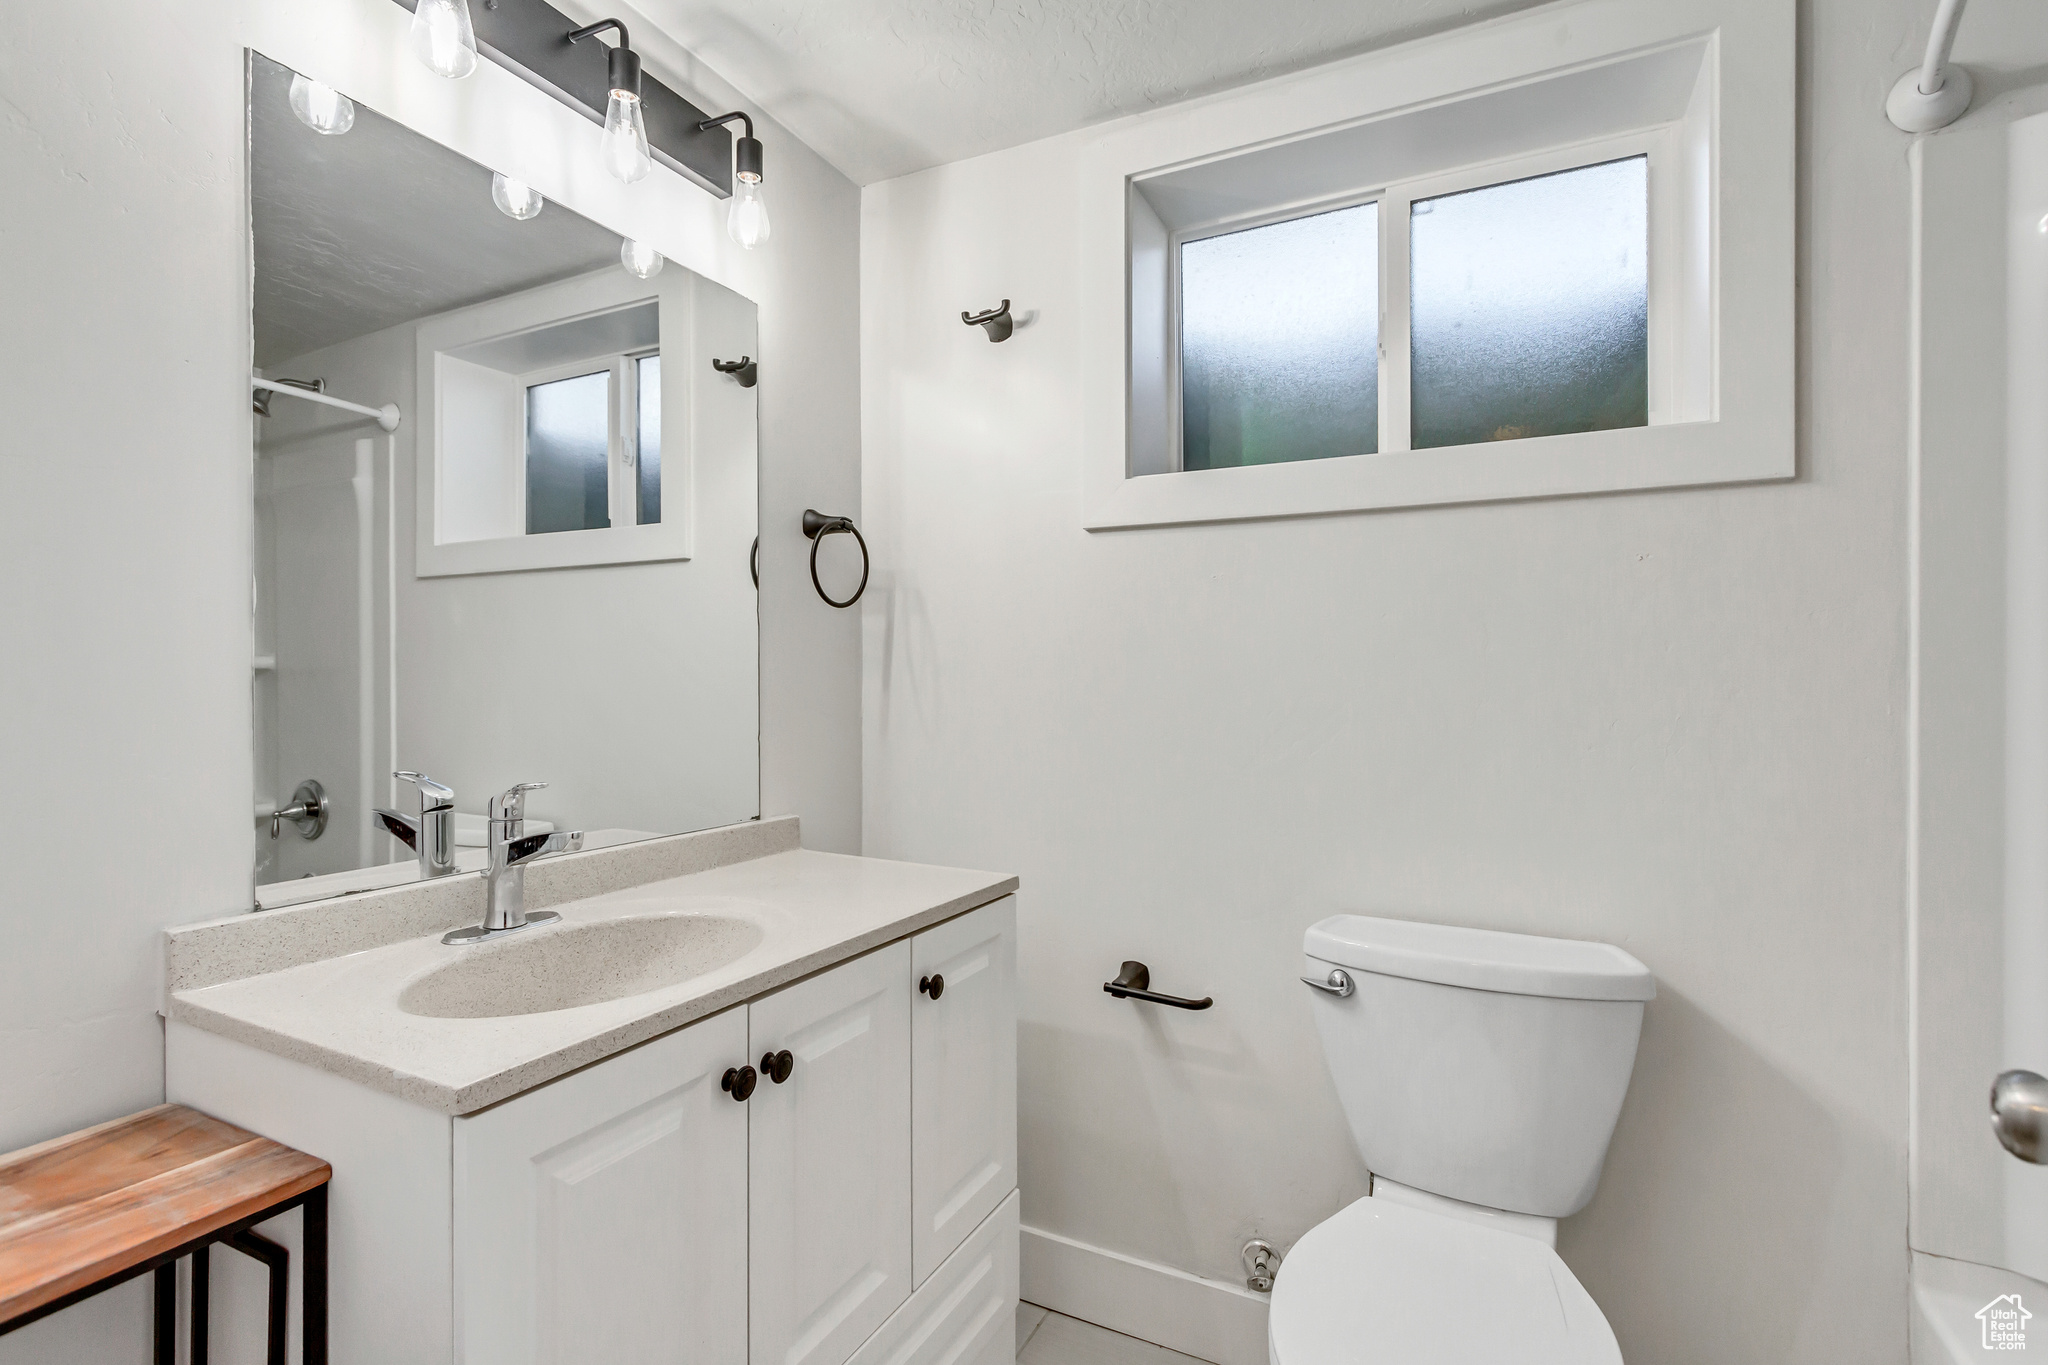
x,y
1536,467
555,550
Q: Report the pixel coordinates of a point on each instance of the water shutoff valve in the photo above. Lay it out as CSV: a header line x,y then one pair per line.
x,y
1261,1264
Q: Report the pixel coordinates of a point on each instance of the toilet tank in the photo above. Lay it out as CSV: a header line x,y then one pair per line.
x,y
1479,1065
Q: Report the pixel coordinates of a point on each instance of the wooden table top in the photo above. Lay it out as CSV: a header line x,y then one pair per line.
x,y
80,1209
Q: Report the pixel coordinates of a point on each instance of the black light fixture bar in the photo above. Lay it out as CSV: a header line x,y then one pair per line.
x,y
530,38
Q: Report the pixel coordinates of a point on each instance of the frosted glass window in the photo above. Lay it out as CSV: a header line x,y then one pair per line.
x,y
1529,307
648,435
1280,339
568,429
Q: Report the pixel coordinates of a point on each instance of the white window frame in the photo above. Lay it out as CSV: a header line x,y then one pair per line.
x,y
1665,265
622,431
607,366
626,429
1393,201
625,541
1722,218
1176,397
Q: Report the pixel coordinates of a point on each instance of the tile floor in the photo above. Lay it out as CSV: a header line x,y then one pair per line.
x,y
1048,1338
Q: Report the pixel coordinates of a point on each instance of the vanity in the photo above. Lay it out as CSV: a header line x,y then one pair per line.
x,y
741,1102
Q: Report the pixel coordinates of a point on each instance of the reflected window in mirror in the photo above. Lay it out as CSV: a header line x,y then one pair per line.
x,y
568,454
647,438
549,412
593,445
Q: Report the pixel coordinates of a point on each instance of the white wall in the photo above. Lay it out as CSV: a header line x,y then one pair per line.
x,y
1673,721
125,517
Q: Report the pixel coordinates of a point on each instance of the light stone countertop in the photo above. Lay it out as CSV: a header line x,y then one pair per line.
x,y
341,1013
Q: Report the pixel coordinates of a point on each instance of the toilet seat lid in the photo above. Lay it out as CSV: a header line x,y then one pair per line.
x,y
1384,1284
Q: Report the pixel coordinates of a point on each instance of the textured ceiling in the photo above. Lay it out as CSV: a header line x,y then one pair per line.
x,y
378,226
884,87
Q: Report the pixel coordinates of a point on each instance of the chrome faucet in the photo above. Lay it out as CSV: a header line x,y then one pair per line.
x,y
432,835
512,848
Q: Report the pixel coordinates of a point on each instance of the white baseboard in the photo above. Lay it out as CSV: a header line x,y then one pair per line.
x,y
1208,1319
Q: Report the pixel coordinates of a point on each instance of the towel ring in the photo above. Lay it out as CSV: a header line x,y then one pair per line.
x,y
817,526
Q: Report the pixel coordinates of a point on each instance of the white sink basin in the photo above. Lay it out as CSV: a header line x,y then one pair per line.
x,y
565,966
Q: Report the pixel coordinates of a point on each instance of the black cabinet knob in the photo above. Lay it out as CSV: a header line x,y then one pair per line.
x,y
776,1066
933,985
739,1081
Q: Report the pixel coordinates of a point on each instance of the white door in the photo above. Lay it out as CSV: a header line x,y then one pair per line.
x,y
603,1217
963,1077
1979,1215
829,1168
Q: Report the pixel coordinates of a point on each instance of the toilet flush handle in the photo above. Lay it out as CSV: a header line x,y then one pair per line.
x,y
1337,983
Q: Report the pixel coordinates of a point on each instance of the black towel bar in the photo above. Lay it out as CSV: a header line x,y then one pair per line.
x,y
1131,983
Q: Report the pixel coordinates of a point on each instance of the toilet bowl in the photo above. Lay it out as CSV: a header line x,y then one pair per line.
x,y
1383,1283
1481,1074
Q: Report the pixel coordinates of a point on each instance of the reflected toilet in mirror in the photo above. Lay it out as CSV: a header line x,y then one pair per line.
x,y
542,572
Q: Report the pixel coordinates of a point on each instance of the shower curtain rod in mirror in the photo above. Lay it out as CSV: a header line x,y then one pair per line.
x,y
387,416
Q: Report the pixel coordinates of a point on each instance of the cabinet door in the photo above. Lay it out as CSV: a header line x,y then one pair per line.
x,y
963,1077
829,1172
966,1313
603,1217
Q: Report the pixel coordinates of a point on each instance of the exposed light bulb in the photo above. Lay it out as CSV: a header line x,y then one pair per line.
x,y
321,107
639,259
746,217
625,138
514,198
443,39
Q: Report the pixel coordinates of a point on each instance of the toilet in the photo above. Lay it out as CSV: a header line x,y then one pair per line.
x,y
1481,1074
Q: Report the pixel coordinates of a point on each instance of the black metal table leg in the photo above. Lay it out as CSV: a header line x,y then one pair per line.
x,y
199,1306
313,1284
167,1313
278,1259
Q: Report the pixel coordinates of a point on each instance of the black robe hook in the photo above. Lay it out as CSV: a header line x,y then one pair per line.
x,y
996,321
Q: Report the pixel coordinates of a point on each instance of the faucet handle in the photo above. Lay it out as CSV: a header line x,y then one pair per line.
x,y
511,804
433,795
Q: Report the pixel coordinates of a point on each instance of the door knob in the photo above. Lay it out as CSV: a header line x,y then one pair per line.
x,y
776,1066
933,985
739,1081
2019,1114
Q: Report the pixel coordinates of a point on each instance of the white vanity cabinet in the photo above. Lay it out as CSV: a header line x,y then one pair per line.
x,y
861,1209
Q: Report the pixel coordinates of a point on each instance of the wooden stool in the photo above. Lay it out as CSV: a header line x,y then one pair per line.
x,y
86,1212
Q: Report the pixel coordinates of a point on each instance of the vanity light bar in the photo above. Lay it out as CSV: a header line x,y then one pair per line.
x,y
530,38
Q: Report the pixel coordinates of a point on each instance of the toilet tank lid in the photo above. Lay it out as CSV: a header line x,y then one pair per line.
x,y
1484,959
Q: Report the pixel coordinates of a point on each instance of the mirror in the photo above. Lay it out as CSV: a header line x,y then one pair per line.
x,y
543,572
